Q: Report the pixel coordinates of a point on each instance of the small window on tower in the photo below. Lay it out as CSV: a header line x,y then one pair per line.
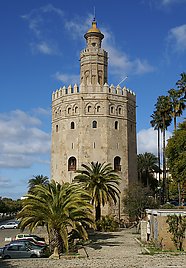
x,y
72,164
117,163
57,128
94,124
98,109
116,124
93,44
72,125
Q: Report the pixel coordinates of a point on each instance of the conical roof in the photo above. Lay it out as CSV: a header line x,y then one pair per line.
x,y
94,30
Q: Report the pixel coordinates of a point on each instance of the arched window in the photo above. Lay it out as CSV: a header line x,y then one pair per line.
x,y
98,109
89,109
57,128
76,110
69,110
112,110
94,124
72,125
119,110
117,163
116,124
72,164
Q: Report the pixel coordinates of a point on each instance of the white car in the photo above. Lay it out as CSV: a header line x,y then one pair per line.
x,y
9,225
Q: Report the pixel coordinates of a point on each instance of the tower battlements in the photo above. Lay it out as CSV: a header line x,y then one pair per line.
x,y
70,90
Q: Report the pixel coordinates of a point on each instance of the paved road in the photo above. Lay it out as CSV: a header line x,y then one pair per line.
x,y
112,250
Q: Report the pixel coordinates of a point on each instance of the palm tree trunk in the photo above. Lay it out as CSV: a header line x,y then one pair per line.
x,y
58,242
159,164
98,211
174,122
179,193
164,170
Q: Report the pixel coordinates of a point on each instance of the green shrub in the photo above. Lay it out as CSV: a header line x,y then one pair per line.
x,y
177,227
107,224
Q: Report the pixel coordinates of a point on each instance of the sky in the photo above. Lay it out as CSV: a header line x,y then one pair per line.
x,y
39,52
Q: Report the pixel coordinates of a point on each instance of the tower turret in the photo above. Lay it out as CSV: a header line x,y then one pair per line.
x,y
93,59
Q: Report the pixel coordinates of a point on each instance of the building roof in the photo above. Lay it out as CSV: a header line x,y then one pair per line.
x,y
94,28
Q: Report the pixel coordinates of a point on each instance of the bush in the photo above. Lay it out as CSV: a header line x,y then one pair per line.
x,y
107,224
177,227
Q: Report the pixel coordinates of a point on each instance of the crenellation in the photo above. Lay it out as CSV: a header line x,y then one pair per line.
x,y
63,91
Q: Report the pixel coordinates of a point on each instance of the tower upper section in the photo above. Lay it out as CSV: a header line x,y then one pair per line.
x,y
93,59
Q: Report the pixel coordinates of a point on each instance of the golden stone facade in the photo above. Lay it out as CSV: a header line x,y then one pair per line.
x,y
93,121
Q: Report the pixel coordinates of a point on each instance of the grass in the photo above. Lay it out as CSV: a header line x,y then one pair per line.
x,y
150,249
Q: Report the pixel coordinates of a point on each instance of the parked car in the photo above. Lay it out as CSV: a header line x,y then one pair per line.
x,y
33,240
27,242
18,250
1,251
36,237
9,225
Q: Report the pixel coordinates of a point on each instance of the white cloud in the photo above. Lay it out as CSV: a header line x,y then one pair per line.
x,y
163,4
171,2
121,63
42,111
177,38
37,20
45,48
67,79
147,141
22,141
76,28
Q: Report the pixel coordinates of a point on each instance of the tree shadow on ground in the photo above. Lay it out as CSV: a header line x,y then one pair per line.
x,y
100,239
6,264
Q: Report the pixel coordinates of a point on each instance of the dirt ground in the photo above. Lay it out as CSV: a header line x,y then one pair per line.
x,y
107,250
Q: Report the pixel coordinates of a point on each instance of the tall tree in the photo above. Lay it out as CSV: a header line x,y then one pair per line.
x,y
156,122
147,166
163,112
37,180
61,208
136,199
178,104
181,84
176,155
101,181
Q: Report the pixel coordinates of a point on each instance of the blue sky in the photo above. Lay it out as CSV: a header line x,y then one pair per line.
x,y
39,52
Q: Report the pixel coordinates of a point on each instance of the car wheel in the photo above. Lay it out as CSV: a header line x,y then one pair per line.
x,y
33,256
7,257
15,227
2,228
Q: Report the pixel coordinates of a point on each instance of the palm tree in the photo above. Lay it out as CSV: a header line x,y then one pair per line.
x,y
178,104
163,113
101,181
147,166
157,124
37,180
61,208
182,85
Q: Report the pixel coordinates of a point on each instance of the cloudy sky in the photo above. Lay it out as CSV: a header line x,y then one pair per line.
x,y
39,52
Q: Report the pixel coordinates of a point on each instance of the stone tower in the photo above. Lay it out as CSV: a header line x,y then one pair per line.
x,y
93,121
